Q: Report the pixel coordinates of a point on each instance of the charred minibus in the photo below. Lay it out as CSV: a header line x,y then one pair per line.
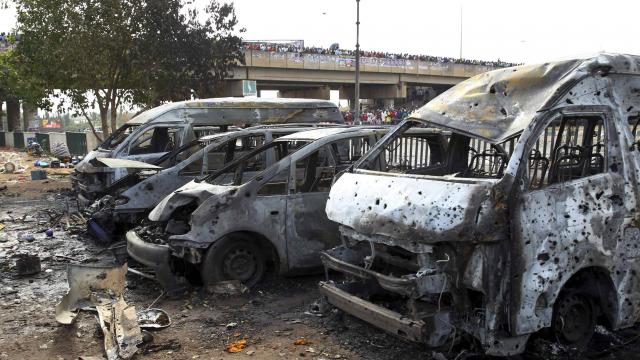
x,y
158,131
529,222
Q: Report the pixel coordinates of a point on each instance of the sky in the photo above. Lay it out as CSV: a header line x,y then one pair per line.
x,y
515,30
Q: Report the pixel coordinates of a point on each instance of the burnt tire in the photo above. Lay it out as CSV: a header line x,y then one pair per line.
x,y
574,319
233,258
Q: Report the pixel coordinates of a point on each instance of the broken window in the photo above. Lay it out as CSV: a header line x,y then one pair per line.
x,y
634,121
411,151
314,173
487,160
244,145
277,185
201,131
350,150
156,140
118,136
571,147
245,168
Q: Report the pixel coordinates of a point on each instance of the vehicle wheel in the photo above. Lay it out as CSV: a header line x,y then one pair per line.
x,y
574,319
233,258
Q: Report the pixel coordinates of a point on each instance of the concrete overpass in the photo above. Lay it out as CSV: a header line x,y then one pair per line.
x,y
314,75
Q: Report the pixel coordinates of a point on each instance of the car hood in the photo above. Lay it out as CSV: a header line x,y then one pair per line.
x,y
411,209
192,191
85,165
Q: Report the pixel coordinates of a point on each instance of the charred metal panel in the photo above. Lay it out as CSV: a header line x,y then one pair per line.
x,y
420,210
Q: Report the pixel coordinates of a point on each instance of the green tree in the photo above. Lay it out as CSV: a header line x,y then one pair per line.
x,y
110,53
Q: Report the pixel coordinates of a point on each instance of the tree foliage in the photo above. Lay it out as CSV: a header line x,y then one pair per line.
x,y
110,53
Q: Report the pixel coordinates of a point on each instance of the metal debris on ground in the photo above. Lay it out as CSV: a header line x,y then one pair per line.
x,y
230,287
172,345
153,319
103,287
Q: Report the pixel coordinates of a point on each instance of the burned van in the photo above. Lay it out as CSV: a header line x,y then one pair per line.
x,y
158,131
130,198
233,224
531,221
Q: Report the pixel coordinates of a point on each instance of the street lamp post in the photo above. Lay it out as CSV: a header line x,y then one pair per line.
x,y
357,87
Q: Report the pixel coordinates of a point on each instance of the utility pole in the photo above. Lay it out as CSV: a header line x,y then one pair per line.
x,y
461,32
356,112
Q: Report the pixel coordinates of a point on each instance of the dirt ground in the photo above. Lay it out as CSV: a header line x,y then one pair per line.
x,y
272,317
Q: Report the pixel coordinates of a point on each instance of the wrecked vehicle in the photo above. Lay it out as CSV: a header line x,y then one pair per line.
x,y
158,131
234,224
530,220
130,199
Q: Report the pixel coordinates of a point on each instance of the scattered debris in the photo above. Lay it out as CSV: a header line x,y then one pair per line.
x,y
9,167
38,174
103,287
153,319
27,264
230,287
237,346
171,345
28,237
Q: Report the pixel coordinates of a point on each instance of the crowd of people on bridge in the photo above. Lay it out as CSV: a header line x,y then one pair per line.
x,y
335,50
379,116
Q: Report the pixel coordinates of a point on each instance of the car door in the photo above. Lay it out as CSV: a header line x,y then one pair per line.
x,y
570,212
308,228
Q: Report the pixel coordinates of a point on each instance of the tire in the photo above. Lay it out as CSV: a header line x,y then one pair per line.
x,y
574,319
233,258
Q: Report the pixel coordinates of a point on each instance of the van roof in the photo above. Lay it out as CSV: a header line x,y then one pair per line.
x,y
321,133
499,104
233,103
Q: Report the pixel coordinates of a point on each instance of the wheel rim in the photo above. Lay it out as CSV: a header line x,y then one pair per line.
x,y
574,318
239,264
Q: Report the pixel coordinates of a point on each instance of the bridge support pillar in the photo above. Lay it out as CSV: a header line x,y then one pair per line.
x,y
394,91
319,92
13,115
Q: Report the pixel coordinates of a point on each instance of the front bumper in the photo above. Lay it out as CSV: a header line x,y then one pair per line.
x,y
431,324
434,330
346,260
158,258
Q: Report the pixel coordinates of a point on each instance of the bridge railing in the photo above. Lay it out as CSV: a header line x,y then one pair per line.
x,y
256,58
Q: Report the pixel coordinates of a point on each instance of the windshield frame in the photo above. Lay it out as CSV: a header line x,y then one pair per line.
x,y
252,153
403,128
118,131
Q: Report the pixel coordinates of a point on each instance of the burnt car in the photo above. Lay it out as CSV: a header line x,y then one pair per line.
x,y
531,221
233,224
130,199
159,131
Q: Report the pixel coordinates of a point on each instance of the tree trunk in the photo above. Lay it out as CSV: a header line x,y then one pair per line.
x,y
104,121
1,115
13,115
114,116
28,115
